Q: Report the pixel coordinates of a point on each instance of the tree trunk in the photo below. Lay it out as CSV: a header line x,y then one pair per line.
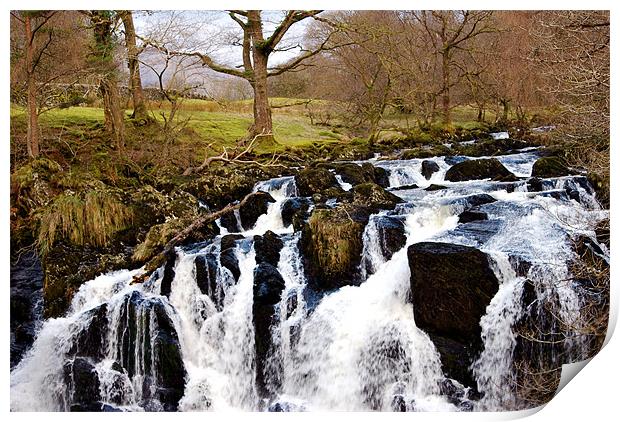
x,y
262,125
505,108
32,137
135,81
445,99
114,123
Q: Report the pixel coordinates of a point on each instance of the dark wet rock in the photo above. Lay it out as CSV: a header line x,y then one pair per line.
x,y
315,180
25,302
206,279
382,176
435,187
374,196
479,199
478,230
486,168
146,320
391,235
255,206
534,184
91,340
520,265
166,282
472,215
229,222
403,187
550,167
353,173
451,287
295,212
455,159
331,245
268,287
399,404
82,383
228,256
268,247
428,168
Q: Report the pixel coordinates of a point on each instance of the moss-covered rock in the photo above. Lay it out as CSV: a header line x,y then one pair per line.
x,y
374,196
486,168
314,180
550,167
332,246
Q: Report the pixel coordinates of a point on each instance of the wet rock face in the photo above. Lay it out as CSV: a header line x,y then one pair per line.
x,y
267,290
268,247
228,257
391,234
256,205
26,301
295,212
429,168
315,180
375,197
451,287
486,168
550,167
82,383
206,279
332,244
91,342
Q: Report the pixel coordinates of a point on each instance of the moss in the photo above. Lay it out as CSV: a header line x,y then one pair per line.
x,y
550,167
92,218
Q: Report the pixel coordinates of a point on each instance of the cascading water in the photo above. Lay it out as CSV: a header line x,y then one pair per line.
x,y
357,347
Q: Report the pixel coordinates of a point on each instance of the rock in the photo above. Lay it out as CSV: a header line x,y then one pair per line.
x,y
479,199
472,215
82,383
354,174
331,245
391,235
550,167
228,256
268,287
229,222
403,187
382,176
374,196
451,287
486,168
268,248
534,184
206,279
295,212
428,168
315,180
166,282
433,187
478,230
91,341
26,281
146,326
255,206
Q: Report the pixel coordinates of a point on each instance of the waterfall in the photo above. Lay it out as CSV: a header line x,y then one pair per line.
x,y
354,348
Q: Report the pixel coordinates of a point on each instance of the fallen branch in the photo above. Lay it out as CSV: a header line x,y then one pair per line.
x,y
200,222
224,157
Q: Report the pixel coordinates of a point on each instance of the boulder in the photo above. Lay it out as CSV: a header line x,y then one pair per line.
x,y
82,384
166,281
451,287
228,256
268,287
550,167
331,244
375,197
229,222
428,168
91,340
391,235
315,180
433,187
534,184
472,215
255,206
206,279
295,211
485,168
354,174
381,175
268,248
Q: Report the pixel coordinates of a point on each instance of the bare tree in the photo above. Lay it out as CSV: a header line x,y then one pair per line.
x,y
257,47
135,81
450,32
